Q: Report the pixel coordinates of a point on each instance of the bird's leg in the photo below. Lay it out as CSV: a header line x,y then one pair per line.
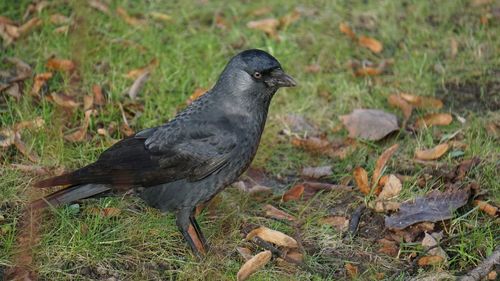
x,y
189,232
199,232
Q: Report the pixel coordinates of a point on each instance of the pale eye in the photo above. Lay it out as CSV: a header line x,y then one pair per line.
x,y
257,75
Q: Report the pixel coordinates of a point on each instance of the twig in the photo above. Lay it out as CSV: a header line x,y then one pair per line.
x,y
483,268
354,221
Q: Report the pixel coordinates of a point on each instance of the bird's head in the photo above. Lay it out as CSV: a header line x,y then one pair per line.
x,y
255,72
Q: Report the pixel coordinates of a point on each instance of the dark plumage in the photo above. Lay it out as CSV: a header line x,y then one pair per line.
x,y
187,161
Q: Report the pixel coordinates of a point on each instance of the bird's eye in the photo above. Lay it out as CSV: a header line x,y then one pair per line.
x,y
257,75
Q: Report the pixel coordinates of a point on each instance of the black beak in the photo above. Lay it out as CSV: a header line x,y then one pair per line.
x,y
278,78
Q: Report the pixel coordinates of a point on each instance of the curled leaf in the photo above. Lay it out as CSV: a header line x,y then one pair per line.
x,y
245,253
294,193
138,85
382,161
399,102
361,178
433,153
64,100
60,64
273,236
430,260
40,80
422,102
316,172
346,29
391,189
435,119
373,44
253,264
486,207
276,213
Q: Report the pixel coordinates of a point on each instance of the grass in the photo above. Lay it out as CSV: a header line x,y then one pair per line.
x,y
141,243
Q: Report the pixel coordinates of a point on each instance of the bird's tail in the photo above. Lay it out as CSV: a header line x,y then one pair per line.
x,y
70,194
55,181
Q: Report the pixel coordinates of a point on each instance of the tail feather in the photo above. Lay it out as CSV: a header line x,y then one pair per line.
x,y
55,181
70,194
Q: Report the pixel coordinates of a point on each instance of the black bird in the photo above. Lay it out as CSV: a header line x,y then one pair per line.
x,y
187,161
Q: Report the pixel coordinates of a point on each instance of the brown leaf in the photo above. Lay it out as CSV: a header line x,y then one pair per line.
x,y
126,130
492,275
13,91
384,206
23,70
294,193
6,20
269,26
88,102
278,214
273,236
288,19
62,29
430,260
60,64
64,100
105,212
435,206
422,102
40,80
138,85
382,161
99,98
433,153
161,17
368,71
33,169
313,144
312,68
98,5
434,119
486,207
316,172
430,243
346,29
389,247
198,92
133,21
21,146
340,223
253,264
312,187
30,124
391,189
245,253
371,124
136,73
29,25
373,44
7,137
81,133
352,270
399,102
59,19
361,177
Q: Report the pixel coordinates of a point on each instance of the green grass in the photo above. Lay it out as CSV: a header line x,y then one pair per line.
x,y
141,243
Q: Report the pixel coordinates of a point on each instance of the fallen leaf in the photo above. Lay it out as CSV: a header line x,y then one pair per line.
x,y
430,260
373,44
29,25
81,133
298,125
221,22
413,232
99,98
33,169
435,206
391,189
294,193
23,70
422,102
269,26
161,16
39,82
361,178
21,146
7,137
59,19
126,130
62,29
316,172
288,19
136,73
64,100
273,236
312,187
352,270
382,161
453,47
138,85
13,91
340,223
384,206
368,71
312,68
98,5
433,153
133,21
486,207
430,243
30,124
105,212
253,264
198,92
245,253
399,102
346,29
492,275
389,247
371,124
276,213
434,119
60,64
6,20
295,255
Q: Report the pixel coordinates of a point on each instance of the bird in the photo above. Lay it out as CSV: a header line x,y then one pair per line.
x,y
185,162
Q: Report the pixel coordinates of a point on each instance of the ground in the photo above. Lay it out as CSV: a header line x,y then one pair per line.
x,y
444,49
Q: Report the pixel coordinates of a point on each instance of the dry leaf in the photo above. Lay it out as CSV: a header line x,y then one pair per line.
x,y
313,68
368,71
486,207
269,26
62,29
198,92
435,206
399,102
21,146
126,130
40,80
245,253
99,98
391,189
253,264
433,153
430,260
81,133
295,255
382,161
30,124
361,177
138,85
59,19
434,119
136,73
7,137
293,193
64,100
133,21
33,169
453,47
298,125
384,206
311,188
100,6
316,172
105,212
373,44
340,223
288,19
88,102
352,270
430,243
422,102
371,124
492,275
60,64
389,247
161,17
6,20
346,29
276,213
29,25
273,236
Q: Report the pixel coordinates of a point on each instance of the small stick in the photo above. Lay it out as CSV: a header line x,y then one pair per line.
x,y
483,268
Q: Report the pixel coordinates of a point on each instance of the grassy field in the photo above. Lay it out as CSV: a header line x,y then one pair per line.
x,y
448,49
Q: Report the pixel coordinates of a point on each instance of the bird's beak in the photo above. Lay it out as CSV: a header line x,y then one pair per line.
x,y
280,79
